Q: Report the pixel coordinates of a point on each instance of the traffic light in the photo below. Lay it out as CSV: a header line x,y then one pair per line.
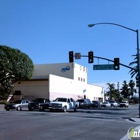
x,y
70,56
90,57
116,63
137,81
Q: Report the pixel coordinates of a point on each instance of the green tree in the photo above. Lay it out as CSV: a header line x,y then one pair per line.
x,y
125,89
14,66
132,89
133,72
111,90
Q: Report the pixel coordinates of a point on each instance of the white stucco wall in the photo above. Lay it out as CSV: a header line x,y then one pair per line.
x,y
80,73
60,69
63,87
68,70
97,91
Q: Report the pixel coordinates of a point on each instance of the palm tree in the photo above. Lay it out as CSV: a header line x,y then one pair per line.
x,y
134,71
111,88
125,89
132,87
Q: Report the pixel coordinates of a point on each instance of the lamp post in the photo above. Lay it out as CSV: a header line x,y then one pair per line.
x,y
138,59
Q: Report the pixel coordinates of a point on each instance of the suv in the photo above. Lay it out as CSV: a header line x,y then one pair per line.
x,y
124,104
84,103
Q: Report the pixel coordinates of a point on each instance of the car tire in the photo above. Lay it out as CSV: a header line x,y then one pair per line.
x,y
41,108
19,108
65,108
7,109
75,109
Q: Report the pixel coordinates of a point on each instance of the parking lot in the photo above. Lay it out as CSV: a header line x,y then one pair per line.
x,y
104,123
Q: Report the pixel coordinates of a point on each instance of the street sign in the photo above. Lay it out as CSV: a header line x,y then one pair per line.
x,y
77,55
103,67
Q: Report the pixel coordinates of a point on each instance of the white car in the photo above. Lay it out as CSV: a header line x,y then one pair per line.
x,y
113,103
106,104
124,104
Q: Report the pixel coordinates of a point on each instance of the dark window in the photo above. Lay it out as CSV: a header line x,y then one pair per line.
x,y
61,99
40,100
80,100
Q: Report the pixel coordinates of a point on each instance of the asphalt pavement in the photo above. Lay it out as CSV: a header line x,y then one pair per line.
x,y
85,124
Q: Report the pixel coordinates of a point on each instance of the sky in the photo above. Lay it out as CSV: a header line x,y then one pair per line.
x,y
46,30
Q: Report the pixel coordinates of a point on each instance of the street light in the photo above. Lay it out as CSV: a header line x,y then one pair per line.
x,y
138,59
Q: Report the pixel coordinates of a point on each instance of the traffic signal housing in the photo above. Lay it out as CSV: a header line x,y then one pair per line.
x,y
71,57
137,81
90,57
116,63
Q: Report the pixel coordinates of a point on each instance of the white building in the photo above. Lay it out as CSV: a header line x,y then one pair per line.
x,y
59,80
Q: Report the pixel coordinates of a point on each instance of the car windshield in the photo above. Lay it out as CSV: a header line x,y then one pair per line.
x,y
80,100
112,101
17,102
40,100
105,103
95,102
61,99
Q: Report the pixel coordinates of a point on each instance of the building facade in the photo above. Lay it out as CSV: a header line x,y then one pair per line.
x,y
59,80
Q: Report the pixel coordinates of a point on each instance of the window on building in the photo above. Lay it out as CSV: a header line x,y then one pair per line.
x,y
83,68
81,79
78,78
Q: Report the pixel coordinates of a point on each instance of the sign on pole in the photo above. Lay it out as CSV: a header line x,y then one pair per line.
x,y
77,55
103,67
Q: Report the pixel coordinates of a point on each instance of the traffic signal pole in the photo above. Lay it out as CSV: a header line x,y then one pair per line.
x,y
110,61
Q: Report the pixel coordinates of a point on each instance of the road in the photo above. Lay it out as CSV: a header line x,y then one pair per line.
x,y
85,124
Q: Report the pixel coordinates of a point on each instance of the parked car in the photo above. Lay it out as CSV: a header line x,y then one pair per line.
x,y
18,105
106,104
96,104
84,103
38,104
113,103
124,104
63,104
43,106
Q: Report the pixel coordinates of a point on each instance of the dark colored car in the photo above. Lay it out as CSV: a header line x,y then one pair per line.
x,y
18,105
84,103
96,104
39,103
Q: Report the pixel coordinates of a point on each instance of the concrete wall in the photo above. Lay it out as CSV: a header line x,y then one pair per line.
x,y
80,73
63,87
60,69
94,92
67,70
33,89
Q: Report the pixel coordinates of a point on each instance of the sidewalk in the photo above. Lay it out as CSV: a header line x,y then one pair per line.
x,y
135,120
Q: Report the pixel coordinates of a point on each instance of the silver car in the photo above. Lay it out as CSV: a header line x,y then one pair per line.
x,y
18,105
